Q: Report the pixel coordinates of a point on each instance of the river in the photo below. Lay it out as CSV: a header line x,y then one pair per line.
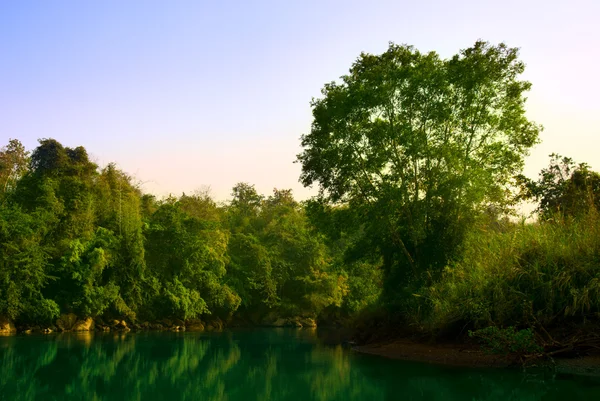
x,y
259,364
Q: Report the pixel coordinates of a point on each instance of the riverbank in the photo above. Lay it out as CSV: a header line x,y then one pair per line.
x,y
465,355
70,322
468,355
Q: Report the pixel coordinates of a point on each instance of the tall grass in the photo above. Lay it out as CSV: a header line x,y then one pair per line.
x,y
541,274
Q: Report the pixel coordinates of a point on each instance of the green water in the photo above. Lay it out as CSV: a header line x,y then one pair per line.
x,y
273,364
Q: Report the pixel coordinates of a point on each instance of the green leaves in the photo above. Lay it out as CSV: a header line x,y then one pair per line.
x,y
23,262
82,286
188,255
564,188
508,340
14,161
183,302
83,240
276,262
420,145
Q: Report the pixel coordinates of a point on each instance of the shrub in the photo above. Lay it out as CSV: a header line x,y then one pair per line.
x,y
508,340
531,275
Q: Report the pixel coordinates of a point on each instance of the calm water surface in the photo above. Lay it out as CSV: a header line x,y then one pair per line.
x,y
273,364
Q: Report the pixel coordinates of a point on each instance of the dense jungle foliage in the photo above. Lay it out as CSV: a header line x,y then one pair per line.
x,y
79,239
418,162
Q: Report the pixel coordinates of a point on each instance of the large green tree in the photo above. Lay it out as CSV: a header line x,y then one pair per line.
x,y
419,144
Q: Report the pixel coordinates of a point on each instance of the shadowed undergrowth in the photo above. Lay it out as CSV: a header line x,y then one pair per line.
x,y
544,275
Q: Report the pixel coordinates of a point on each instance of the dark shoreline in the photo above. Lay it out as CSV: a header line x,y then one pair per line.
x,y
440,353
470,356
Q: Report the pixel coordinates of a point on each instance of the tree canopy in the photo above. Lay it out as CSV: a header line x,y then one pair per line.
x,y
564,187
420,144
76,238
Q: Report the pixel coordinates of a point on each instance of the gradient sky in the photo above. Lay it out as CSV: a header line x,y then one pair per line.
x,y
185,94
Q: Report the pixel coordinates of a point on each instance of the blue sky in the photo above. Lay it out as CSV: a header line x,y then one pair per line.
x,y
185,94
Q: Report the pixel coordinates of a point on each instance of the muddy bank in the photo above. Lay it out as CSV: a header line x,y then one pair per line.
x,y
466,355
445,354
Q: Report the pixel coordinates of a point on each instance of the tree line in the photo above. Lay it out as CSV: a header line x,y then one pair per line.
x,y
418,160
76,238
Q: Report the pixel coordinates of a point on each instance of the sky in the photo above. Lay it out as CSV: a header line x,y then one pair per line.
x,y
185,95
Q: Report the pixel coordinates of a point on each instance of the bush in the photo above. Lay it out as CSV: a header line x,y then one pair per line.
x,y
508,340
530,275
42,311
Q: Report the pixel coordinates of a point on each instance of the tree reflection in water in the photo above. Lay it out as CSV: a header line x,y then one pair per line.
x,y
270,364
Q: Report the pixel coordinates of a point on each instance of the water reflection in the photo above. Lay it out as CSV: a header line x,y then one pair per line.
x,y
245,365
